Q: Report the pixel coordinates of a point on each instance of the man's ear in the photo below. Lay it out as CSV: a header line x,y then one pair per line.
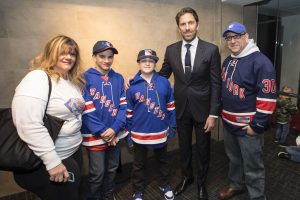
x,y
247,37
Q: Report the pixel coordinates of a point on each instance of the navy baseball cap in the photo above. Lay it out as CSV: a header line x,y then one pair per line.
x,y
147,53
235,27
103,45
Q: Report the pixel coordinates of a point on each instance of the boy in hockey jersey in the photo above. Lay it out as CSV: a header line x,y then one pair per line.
x,y
249,99
103,119
151,121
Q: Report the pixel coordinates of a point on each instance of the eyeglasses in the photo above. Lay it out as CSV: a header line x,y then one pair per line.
x,y
238,36
147,60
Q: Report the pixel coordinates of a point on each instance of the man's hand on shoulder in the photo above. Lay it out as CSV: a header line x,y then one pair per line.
x,y
127,83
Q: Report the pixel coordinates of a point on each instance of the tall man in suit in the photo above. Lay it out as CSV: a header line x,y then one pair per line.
x,y
196,67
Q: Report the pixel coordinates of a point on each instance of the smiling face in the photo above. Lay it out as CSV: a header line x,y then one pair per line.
x,y
147,66
188,27
104,60
236,42
66,61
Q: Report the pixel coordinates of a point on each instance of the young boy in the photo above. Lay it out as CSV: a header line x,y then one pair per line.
x,y
103,118
285,108
150,121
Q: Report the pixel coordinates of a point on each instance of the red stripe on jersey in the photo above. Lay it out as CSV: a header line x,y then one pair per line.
x,y
88,106
237,118
170,105
129,112
97,148
90,138
265,105
122,101
149,137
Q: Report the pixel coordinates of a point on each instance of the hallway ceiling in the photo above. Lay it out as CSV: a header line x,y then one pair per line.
x,y
241,2
286,7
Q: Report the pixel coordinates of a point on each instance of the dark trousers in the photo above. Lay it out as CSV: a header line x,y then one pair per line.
x,y
282,132
38,181
185,127
103,167
139,166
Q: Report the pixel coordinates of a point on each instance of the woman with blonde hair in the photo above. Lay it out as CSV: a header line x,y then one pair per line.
x,y
59,176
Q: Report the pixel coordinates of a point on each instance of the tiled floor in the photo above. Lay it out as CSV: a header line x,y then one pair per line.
x,y
282,176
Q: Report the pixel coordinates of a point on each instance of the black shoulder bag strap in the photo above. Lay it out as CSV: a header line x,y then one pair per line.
x,y
52,123
49,91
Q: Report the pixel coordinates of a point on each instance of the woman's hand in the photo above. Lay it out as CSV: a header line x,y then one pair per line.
x,y
59,173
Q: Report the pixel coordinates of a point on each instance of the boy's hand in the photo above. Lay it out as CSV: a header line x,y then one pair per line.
x,y
114,141
108,135
171,132
127,84
129,141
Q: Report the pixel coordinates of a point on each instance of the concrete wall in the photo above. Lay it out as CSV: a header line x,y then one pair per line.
x,y
131,25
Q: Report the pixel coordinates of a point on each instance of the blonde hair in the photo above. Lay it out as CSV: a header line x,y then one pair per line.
x,y
47,60
287,89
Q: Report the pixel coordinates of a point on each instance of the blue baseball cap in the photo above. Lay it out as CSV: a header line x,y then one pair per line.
x,y
103,45
235,27
147,53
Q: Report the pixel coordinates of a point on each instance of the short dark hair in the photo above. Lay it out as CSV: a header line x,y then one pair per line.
x,y
184,11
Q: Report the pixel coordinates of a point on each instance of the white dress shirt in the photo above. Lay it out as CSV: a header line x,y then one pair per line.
x,y
193,49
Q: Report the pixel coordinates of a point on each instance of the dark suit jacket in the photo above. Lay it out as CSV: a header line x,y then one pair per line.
x,y
203,90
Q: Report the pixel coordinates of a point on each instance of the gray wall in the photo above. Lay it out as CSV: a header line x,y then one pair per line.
x,y
131,25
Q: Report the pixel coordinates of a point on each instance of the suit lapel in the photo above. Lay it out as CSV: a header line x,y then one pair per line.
x,y
178,57
199,56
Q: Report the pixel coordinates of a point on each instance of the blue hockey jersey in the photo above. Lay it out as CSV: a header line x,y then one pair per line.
x,y
248,91
150,111
105,107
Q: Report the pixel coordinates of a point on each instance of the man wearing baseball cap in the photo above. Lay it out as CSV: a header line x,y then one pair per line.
x,y
249,99
151,121
103,119
235,27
